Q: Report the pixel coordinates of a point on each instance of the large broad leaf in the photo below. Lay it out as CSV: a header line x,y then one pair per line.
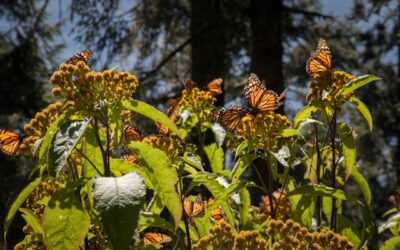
x,y
321,190
152,113
65,221
304,210
215,155
62,144
362,183
348,147
244,206
18,203
52,130
347,228
357,83
304,113
363,109
119,200
162,175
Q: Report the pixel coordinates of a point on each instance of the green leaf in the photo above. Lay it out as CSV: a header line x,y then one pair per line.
x,y
348,147
363,109
304,210
321,190
119,200
290,133
304,113
155,205
18,203
307,121
120,167
391,243
52,130
32,220
62,144
162,175
347,228
362,183
357,83
93,153
65,222
242,146
244,206
241,165
152,113
154,220
215,155
193,161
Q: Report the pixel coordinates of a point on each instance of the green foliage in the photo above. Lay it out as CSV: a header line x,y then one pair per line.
x,y
102,166
118,201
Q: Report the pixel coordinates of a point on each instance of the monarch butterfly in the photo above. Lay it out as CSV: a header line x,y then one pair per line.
x,y
280,202
131,133
395,199
259,98
84,56
229,118
189,85
10,141
172,114
218,215
128,156
193,208
320,60
155,238
215,86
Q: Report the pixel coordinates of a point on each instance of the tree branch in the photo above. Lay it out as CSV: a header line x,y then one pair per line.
x,y
305,12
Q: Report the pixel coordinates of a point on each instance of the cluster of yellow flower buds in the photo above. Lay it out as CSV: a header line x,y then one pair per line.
x,y
291,235
168,144
327,88
38,126
221,237
89,88
261,129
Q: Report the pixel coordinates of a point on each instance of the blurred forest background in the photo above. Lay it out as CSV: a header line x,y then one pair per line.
x,y
165,42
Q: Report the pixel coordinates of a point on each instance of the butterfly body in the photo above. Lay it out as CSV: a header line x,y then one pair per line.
x,y
320,61
193,208
131,133
83,56
10,142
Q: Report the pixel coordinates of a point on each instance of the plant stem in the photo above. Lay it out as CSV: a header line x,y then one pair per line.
x,y
270,186
90,162
185,218
107,171
318,172
333,136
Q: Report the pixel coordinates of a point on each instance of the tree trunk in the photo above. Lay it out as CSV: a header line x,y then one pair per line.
x,y
266,42
209,51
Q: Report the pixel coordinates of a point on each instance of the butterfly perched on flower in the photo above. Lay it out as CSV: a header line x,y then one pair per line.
x,y
229,118
155,238
83,56
259,100
218,215
193,208
172,113
215,86
320,60
10,141
131,133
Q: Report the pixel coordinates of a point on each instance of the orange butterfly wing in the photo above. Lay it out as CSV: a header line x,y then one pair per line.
x,y
230,118
193,208
131,133
155,238
215,86
10,142
320,60
84,56
259,98
218,215
172,112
